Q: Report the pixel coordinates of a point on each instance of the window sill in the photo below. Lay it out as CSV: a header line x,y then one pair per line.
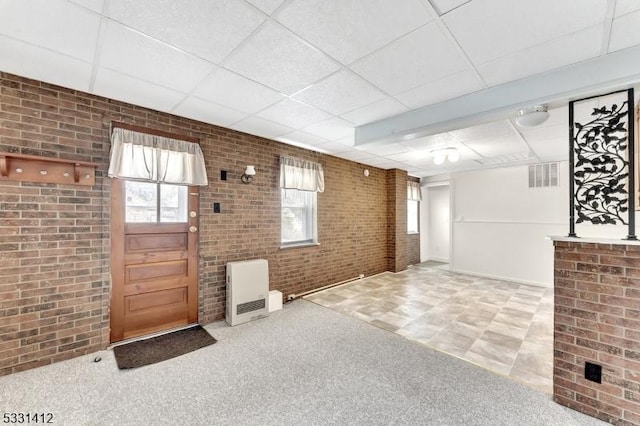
x,y
299,245
413,233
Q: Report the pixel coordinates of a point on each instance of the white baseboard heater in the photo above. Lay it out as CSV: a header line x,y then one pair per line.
x,y
247,291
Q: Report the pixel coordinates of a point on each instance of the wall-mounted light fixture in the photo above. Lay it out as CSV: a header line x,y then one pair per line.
x,y
248,175
441,154
534,116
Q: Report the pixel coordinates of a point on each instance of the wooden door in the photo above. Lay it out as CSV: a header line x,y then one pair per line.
x,y
154,257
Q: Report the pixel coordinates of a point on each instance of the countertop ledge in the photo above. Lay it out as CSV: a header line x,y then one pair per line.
x,y
592,240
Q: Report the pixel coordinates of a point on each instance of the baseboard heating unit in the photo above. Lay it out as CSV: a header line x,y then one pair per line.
x,y
247,291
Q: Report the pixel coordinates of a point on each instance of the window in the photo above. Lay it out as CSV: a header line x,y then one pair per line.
x,y
414,195
142,206
413,207
298,217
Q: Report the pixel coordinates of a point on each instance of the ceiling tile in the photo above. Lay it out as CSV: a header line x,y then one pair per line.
x,y
489,29
624,32
294,114
423,56
276,58
95,5
626,6
302,137
500,128
234,91
366,25
137,92
342,92
555,53
409,156
208,112
376,111
267,6
332,129
549,143
385,149
444,6
430,142
42,64
335,147
208,29
357,155
130,52
74,31
260,127
449,87
491,139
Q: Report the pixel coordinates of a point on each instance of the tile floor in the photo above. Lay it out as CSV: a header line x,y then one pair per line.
x,y
503,326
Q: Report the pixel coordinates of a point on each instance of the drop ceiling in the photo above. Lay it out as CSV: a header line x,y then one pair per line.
x,y
321,73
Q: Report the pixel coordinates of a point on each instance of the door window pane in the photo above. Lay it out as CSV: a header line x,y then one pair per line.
x,y
141,199
173,204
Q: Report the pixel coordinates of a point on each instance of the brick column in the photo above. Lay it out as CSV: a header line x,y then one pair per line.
x,y
397,220
597,321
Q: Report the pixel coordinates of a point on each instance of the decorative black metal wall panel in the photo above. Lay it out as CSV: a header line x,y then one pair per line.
x,y
602,161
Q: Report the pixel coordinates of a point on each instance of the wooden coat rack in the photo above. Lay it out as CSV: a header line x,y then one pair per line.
x,y
32,168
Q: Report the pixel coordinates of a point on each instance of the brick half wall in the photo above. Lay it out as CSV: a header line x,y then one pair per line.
x,y
597,320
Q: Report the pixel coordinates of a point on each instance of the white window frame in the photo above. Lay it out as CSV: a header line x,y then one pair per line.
x,y
415,206
311,214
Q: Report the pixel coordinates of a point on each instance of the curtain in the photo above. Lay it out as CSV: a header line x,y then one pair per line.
x,y
301,174
152,158
413,191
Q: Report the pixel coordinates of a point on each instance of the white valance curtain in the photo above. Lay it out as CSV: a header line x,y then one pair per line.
x,y
142,156
301,174
413,191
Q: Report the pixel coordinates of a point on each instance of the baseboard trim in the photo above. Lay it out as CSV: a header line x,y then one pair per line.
x,y
496,277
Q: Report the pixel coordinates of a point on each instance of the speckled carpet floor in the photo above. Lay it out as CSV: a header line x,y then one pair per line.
x,y
303,365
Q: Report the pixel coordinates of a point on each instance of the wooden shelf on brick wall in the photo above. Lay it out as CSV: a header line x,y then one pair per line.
x,y
31,168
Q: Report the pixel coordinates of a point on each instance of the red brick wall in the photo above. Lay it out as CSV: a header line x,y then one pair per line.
x,y
597,319
55,239
397,223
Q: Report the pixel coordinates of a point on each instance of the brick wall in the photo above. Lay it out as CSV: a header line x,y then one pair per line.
x,y
55,239
597,320
397,220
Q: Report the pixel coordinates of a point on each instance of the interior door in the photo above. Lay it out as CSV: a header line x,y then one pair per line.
x,y
154,257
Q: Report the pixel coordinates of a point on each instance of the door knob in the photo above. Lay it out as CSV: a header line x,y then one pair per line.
x,y
193,228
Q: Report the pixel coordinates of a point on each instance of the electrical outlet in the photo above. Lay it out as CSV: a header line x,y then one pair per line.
x,y
216,207
223,175
593,372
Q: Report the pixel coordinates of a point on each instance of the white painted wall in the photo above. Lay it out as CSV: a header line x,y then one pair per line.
x,y
500,225
435,223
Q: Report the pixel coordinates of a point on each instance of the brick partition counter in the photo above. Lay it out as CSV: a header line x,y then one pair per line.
x,y
597,320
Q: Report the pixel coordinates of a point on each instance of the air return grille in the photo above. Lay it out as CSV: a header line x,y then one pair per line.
x,y
243,308
543,175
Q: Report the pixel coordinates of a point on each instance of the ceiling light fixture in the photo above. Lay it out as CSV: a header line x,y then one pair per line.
x,y
448,153
534,116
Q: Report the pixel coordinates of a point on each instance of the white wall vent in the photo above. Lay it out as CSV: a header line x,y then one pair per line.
x,y
543,175
247,291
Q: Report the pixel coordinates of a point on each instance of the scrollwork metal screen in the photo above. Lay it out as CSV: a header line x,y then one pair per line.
x,y
601,161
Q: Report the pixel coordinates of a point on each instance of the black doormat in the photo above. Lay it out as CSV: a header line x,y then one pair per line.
x,y
161,348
